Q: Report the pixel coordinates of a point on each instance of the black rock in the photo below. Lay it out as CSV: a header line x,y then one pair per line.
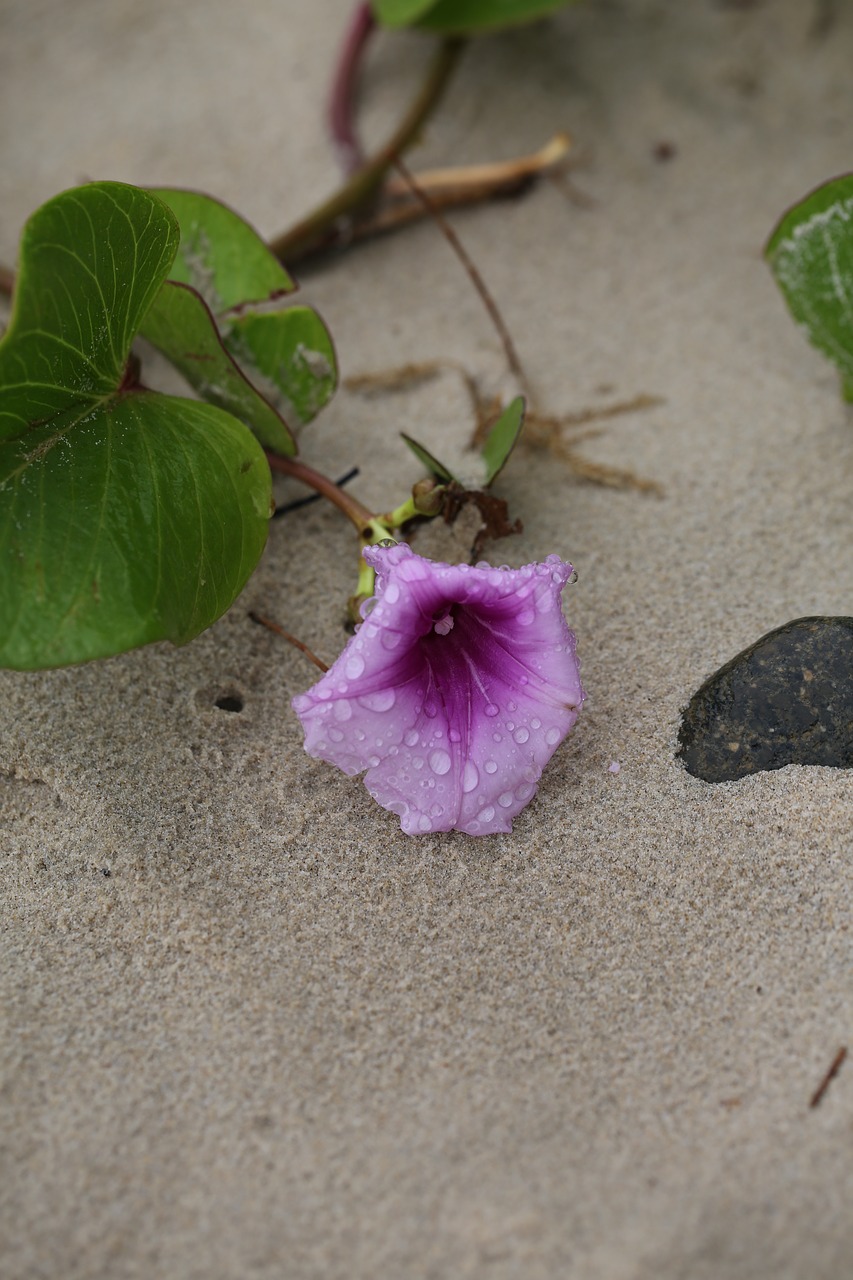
x,y
787,699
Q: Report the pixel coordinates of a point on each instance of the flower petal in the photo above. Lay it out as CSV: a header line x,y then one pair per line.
x,y
454,692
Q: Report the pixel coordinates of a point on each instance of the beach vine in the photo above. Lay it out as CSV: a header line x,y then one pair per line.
x,y
129,516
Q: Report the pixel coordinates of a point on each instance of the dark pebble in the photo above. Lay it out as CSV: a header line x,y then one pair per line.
x,y
787,699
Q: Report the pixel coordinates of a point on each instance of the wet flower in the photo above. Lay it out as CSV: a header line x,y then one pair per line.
x,y
454,692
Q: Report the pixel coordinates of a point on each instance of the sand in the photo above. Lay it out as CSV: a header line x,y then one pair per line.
x,y
249,1028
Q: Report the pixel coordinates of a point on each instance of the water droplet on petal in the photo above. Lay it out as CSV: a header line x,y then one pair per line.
x,y
486,815
373,761
506,799
390,639
535,723
511,706
490,766
424,823
454,735
342,709
436,811
418,762
354,666
525,618
336,735
392,593
471,775
524,792
521,735
382,700
440,762
552,737
411,737
497,737
490,709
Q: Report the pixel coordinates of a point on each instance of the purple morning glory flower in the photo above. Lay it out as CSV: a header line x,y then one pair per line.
x,y
454,692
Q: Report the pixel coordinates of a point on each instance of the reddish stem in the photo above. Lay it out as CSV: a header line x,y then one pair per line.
x,y
341,108
345,502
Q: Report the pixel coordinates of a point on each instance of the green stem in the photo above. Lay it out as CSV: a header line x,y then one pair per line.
x,y
320,225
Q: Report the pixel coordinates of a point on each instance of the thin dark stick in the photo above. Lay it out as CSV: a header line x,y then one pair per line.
x,y
473,274
287,507
285,635
342,97
7,281
834,1068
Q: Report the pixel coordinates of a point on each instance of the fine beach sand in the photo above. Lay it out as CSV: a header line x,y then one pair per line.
x,y
249,1029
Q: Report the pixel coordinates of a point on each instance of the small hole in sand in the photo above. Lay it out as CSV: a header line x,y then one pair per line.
x,y
229,702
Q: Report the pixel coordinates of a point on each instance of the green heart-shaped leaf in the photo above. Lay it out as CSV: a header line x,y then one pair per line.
x,y
400,13
811,256
180,325
286,356
289,356
502,439
463,17
125,516
220,255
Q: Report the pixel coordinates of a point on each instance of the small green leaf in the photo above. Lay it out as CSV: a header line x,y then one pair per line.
x,y
289,356
432,464
502,439
125,516
811,256
180,325
220,255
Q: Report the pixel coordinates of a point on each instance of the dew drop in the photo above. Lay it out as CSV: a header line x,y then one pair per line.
x,y
342,709
490,709
525,618
454,735
390,639
418,762
510,724
392,593
511,706
411,737
524,792
382,700
521,735
424,823
506,799
336,735
436,811
354,666
373,761
552,737
497,737
486,815
470,776
490,766
431,710
440,762
535,723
